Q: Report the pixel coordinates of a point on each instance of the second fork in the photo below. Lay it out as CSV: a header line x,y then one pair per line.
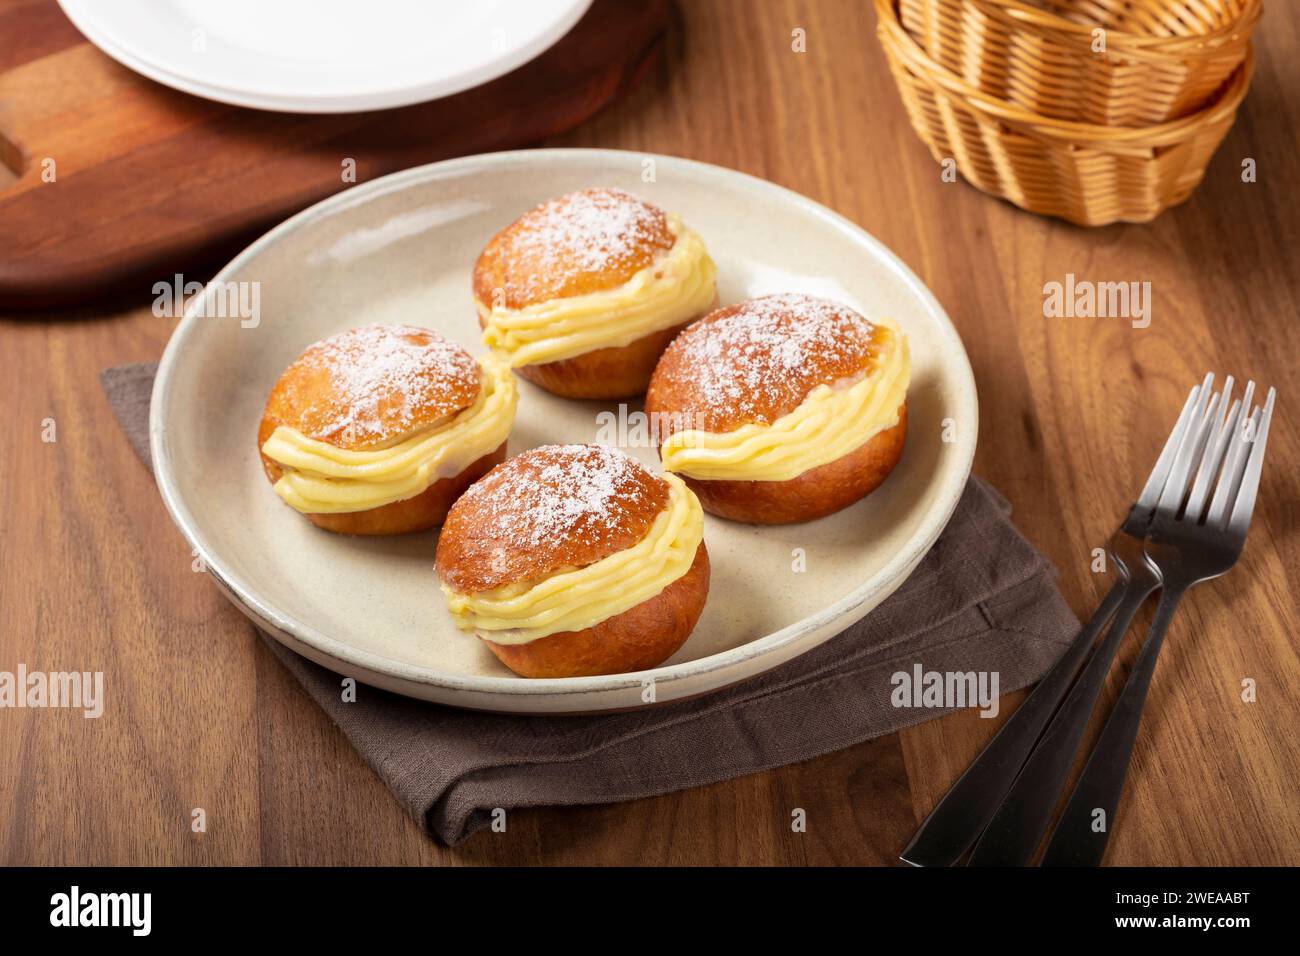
x,y
1187,544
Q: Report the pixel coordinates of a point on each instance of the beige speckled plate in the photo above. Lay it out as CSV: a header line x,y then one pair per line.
x,y
400,249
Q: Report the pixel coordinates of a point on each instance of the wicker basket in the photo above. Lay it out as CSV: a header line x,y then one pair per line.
x,y
1088,174
1163,59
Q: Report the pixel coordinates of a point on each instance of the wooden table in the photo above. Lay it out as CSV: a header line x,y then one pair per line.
x,y
94,577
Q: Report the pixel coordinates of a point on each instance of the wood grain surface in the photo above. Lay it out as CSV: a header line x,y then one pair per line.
x,y
94,577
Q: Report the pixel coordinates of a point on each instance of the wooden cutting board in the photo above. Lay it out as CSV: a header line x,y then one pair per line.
x,y
148,181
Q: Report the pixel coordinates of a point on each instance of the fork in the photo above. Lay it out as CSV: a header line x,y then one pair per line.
x,y
1187,545
961,816
1018,825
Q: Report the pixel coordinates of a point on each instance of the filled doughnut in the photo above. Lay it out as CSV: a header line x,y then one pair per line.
x,y
378,430
572,560
782,408
582,294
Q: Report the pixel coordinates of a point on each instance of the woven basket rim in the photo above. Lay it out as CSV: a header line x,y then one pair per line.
x,y
1222,107
1020,14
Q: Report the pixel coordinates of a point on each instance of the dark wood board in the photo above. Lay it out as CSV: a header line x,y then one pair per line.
x,y
150,181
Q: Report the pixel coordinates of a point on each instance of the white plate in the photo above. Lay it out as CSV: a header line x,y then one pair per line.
x,y
323,56
400,249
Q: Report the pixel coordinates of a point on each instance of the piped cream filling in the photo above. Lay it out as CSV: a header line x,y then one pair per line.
x,y
831,422
319,478
581,598
676,287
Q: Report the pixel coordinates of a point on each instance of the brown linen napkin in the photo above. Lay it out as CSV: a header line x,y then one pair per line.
x,y
982,600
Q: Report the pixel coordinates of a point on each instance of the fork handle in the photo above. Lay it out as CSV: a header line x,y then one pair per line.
x,y
1075,843
1020,822
959,818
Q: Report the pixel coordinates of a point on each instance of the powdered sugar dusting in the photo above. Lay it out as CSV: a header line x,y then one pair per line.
x,y
759,359
593,232
559,494
386,379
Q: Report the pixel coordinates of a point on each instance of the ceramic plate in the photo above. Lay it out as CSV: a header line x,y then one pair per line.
x,y
323,56
400,250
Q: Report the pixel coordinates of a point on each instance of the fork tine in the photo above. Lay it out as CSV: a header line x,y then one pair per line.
x,y
1220,432
1230,478
1245,501
1188,451
1201,448
1160,473
1196,504
1246,400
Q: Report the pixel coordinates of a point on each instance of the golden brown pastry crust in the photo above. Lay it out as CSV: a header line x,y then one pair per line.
x,y
814,494
372,386
641,637
583,242
579,243
757,360
550,509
